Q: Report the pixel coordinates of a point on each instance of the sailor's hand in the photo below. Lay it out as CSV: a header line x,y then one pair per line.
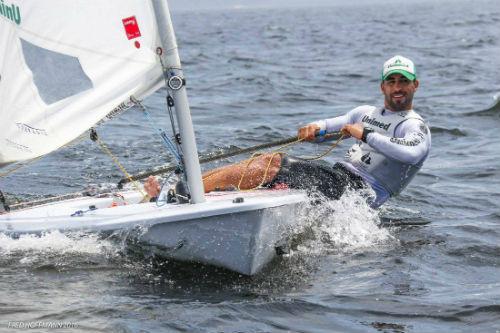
x,y
308,132
355,130
152,186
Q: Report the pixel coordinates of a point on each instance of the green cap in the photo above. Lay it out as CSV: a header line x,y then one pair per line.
x,y
400,65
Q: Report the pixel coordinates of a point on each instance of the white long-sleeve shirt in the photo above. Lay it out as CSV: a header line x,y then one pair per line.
x,y
410,143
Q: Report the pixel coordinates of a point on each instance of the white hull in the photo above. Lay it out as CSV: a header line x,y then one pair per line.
x,y
241,237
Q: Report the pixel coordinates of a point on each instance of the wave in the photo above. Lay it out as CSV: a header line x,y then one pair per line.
x,y
347,224
492,111
292,98
444,130
477,255
56,251
493,308
403,222
249,60
479,229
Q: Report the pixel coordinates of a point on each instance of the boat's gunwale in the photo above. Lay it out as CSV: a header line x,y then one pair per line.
x,y
39,219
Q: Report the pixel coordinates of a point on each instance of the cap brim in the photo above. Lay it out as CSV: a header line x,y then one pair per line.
x,y
406,74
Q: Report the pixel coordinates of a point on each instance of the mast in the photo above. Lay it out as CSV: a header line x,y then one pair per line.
x,y
178,89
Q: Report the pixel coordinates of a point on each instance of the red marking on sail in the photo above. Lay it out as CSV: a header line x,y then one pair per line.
x,y
131,27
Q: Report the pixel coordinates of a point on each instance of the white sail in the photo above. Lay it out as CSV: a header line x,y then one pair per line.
x,y
65,65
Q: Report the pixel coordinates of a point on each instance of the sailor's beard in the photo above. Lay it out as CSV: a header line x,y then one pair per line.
x,y
399,105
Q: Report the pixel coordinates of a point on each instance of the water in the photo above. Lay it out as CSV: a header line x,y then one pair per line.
x,y
253,77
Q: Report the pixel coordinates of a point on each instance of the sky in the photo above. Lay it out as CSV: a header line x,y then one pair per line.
x,y
235,4
223,4
228,4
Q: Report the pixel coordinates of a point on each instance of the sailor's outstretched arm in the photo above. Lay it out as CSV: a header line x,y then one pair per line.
x,y
411,146
335,124
309,131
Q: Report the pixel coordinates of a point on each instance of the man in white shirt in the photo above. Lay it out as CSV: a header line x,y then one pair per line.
x,y
393,141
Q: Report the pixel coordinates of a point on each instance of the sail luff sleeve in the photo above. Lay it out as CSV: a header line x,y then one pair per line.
x,y
183,114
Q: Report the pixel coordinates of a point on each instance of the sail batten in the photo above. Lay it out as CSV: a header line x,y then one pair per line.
x,y
66,65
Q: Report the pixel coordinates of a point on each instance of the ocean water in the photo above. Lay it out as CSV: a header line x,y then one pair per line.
x,y
427,261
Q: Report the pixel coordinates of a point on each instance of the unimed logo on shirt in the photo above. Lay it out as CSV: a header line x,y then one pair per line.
x,y
373,122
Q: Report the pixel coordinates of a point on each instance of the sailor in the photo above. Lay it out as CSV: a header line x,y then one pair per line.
x,y
392,144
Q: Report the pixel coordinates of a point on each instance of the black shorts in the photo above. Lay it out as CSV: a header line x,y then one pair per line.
x,y
331,181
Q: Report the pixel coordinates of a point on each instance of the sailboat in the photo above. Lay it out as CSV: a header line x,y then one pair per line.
x,y
68,66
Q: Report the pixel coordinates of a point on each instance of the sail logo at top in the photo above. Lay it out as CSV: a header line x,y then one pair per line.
x,y
131,27
11,12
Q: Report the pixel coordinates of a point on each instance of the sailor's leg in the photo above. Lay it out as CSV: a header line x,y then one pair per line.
x,y
246,175
315,176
